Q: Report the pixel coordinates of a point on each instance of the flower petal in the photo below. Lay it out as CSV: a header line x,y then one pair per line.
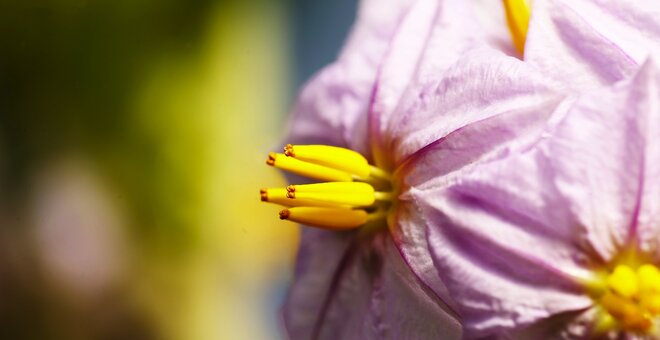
x,y
322,256
588,43
606,144
443,163
332,107
482,84
432,36
361,291
403,309
606,161
644,102
504,245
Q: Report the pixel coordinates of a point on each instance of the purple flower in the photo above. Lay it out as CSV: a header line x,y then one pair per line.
x,y
558,236
413,75
428,98
554,235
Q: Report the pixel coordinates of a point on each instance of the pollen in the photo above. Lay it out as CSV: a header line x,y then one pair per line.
x,y
631,299
351,193
517,18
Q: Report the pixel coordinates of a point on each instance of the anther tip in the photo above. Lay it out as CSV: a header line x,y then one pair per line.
x,y
284,214
271,158
264,195
288,150
291,188
291,194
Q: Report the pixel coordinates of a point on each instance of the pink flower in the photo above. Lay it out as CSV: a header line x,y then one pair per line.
x,y
555,235
413,74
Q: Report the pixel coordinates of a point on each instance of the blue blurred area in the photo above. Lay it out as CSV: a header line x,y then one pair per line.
x,y
321,26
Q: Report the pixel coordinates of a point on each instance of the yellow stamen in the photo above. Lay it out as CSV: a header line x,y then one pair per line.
x,y
279,196
632,299
623,281
331,156
327,218
517,18
349,199
358,199
307,169
337,187
649,278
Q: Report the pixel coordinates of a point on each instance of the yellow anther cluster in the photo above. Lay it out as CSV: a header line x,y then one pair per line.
x,y
346,199
632,297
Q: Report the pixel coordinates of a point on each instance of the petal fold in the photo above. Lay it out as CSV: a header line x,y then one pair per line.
x,y
361,290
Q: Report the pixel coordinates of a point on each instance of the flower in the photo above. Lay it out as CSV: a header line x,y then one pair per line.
x,y
558,238
414,75
524,251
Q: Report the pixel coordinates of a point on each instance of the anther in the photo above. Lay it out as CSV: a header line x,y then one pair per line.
x,y
307,169
357,199
279,196
271,158
517,18
344,193
326,218
288,150
632,298
331,156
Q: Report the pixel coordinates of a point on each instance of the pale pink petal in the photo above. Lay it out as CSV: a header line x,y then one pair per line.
x,y
443,163
361,289
506,245
639,102
602,153
433,35
482,84
588,43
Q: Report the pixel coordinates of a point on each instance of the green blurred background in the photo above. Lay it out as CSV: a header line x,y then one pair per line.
x,y
132,141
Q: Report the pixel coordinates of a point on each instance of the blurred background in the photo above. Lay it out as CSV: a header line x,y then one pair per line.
x,y
133,135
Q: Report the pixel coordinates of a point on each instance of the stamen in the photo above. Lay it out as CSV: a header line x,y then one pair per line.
x,y
326,218
383,196
379,173
623,281
331,156
632,299
351,183
337,187
307,169
358,199
279,196
517,18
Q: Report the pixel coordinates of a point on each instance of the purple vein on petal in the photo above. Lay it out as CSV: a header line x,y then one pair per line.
x,y
346,260
480,249
491,126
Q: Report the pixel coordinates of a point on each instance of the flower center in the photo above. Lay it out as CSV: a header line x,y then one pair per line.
x,y
517,18
631,298
351,194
